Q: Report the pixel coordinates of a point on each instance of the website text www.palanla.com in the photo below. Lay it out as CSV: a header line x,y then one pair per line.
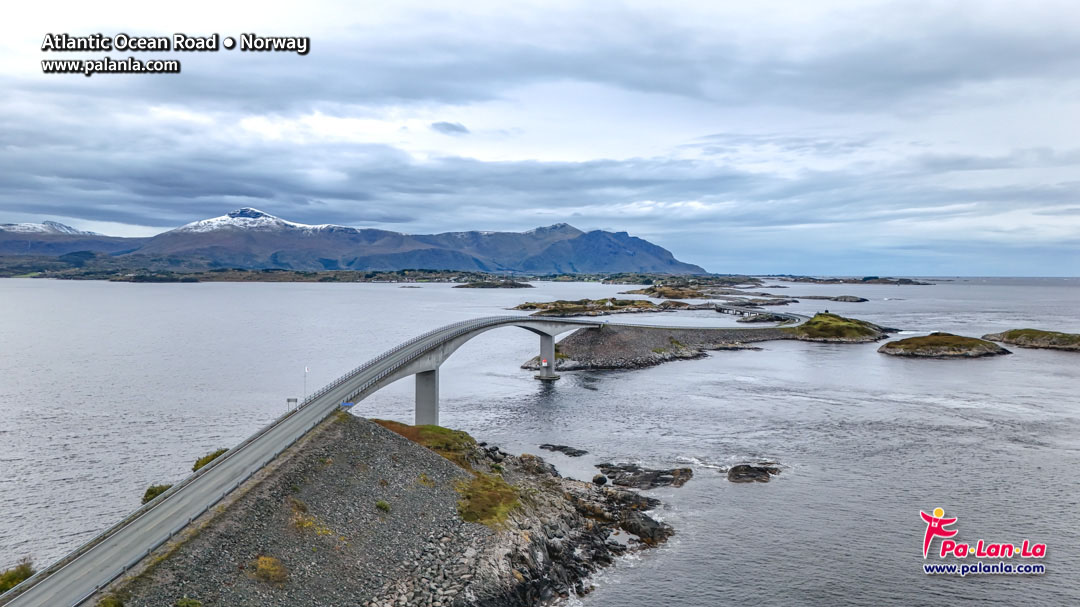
x,y
107,65
981,568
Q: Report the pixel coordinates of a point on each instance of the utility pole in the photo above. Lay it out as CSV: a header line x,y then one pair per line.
x,y
306,370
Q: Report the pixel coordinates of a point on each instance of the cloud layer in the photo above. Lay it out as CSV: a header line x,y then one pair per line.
x,y
891,138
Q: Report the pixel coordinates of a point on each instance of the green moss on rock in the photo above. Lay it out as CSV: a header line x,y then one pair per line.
x,y
487,499
454,445
942,345
833,327
1037,338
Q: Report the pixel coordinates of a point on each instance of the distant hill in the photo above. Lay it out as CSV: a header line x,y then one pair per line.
x,y
249,238
53,239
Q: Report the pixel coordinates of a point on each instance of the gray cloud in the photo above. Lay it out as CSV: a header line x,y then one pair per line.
x,y
450,128
923,51
823,171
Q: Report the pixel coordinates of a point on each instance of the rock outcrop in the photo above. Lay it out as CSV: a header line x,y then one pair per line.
x,y
942,345
746,473
571,451
627,347
358,514
1035,338
835,328
633,475
630,347
841,298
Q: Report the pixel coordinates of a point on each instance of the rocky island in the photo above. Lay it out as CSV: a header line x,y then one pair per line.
x,y
943,345
588,307
866,280
836,328
494,284
1035,338
562,308
734,296
670,292
630,347
377,513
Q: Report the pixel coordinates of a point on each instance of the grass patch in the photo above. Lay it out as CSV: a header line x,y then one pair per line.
x,y
425,480
270,570
935,341
186,602
304,521
206,459
834,326
153,491
454,445
111,600
14,576
1039,337
486,499
383,505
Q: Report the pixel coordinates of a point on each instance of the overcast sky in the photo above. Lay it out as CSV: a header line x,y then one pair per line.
x,y
931,138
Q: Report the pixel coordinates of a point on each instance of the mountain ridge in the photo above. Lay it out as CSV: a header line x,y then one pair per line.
x,y
252,239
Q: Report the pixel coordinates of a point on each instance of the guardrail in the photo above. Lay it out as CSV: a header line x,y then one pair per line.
x,y
456,329
445,333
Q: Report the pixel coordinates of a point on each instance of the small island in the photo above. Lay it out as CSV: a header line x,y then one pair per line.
x,y
839,298
835,328
865,280
494,284
670,292
588,307
943,345
562,308
1035,338
631,347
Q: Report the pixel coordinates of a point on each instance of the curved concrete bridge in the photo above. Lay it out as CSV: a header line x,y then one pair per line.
x,y
78,576
423,355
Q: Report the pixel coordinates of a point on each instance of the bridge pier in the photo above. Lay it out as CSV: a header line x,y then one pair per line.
x,y
427,398
547,352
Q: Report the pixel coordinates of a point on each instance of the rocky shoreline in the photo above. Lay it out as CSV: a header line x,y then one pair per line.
x,y
627,347
1035,338
357,514
633,347
942,345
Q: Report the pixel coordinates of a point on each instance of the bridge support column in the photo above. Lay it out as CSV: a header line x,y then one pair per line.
x,y
547,352
427,398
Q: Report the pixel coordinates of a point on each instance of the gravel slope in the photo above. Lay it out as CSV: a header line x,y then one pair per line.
x,y
318,513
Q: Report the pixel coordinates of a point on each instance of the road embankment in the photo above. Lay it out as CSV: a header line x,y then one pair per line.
x,y
357,514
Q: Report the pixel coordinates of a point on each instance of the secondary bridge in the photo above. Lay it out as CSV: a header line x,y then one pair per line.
x,y
79,575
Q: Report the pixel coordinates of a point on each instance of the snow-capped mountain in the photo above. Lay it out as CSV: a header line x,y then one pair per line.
x,y
248,218
250,238
45,227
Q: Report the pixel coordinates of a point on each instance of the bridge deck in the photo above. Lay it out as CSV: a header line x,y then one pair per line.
x,y
79,575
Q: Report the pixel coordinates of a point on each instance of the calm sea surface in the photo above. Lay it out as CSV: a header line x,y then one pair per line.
x,y
107,388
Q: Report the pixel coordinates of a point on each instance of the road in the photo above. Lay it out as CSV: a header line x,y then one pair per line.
x,y
77,576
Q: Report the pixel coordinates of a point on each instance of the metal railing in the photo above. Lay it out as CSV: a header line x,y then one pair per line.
x,y
455,330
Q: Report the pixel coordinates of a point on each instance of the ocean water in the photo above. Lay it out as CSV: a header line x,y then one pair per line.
x,y
106,388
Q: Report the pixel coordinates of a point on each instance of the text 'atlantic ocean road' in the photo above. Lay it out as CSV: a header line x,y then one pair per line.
x,y
248,42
